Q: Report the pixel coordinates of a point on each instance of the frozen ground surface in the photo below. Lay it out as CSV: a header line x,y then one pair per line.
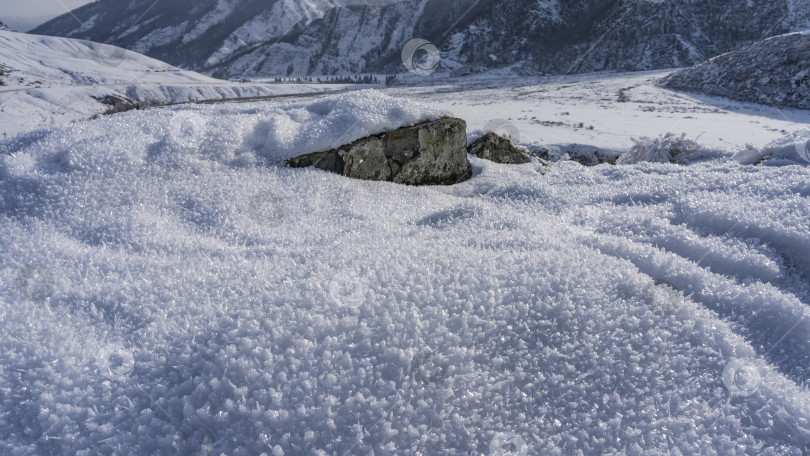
x,y
52,81
602,111
166,287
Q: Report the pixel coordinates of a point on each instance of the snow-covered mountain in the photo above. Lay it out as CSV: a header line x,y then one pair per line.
x,y
193,34
774,71
5,28
261,38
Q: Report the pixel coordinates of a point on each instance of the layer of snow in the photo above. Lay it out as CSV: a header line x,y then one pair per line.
x,y
52,81
793,148
166,288
603,111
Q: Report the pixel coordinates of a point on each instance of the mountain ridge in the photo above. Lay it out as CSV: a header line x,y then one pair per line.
x,y
255,38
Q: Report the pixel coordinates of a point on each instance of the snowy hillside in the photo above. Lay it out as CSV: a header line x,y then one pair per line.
x,y
5,28
775,71
46,80
189,33
167,286
548,36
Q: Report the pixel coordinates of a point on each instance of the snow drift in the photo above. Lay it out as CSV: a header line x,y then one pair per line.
x,y
166,288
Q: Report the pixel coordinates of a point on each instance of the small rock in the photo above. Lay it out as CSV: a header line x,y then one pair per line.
x,y
496,148
432,153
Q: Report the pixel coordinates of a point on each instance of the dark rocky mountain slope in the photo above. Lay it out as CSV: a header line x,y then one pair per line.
x,y
234,38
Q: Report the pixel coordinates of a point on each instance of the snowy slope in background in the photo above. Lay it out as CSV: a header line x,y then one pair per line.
x,y
165,288
346,41
775,71
189,33
549,36
46,80
331,36
5,28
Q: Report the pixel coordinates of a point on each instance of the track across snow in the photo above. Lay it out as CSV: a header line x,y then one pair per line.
x,y
166,287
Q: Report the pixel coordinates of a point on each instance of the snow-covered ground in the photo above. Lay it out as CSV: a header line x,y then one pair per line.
x,y
604,111
168,287
52,81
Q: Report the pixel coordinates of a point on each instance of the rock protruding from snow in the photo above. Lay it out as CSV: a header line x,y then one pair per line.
x,y
431,153
775,72
495,147
5,28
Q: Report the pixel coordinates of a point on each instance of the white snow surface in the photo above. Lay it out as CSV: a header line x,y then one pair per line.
x,y
168,287
52,81
606,111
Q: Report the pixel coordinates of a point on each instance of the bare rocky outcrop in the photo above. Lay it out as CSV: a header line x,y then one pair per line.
x,y
431,153
773,72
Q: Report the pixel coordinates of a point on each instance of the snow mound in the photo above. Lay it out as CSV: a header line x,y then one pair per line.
x,y
667,148
335,121
791,149
164,291
227,133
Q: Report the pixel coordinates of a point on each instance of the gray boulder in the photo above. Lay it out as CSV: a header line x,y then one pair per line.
x,y
495,147
432,153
